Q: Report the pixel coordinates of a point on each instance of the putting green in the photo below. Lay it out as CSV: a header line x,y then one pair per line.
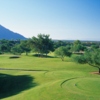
x,y
82,85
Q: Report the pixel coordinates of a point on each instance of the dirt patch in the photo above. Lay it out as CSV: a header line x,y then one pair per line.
x,y
95,73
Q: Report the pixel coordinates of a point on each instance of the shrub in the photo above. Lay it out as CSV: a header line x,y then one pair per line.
x,y
1,53
80,59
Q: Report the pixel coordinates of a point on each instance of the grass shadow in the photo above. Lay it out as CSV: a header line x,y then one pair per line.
x,y
43,56
12,85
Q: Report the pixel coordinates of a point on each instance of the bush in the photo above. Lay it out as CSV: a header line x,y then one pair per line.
x,y
1,53
80,59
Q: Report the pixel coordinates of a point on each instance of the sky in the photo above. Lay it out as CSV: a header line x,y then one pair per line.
x,y
61,19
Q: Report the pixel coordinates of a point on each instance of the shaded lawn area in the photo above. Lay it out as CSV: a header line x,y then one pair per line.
x,y
12,85
43,56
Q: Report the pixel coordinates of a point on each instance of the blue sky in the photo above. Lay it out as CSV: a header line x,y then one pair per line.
x,y
62,19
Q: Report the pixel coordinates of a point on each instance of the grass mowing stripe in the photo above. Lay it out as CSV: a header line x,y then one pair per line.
x,y
53,83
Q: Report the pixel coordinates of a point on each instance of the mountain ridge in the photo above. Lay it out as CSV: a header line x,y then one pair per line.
x,y
9,35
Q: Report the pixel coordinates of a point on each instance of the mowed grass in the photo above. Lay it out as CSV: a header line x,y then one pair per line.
x,y
50,79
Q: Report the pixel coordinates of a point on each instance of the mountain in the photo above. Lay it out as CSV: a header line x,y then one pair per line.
x,y
9,35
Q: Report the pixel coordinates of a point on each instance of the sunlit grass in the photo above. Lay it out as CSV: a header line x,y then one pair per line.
x,y
56,80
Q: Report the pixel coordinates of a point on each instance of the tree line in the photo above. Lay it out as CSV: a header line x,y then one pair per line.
x,y
43,44
86,52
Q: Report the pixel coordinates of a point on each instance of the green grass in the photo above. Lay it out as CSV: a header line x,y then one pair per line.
x,y
52,80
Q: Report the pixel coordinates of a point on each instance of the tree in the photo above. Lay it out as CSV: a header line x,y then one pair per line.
x,y
16,49
95,46
3,48
77,46
62,52
92,57
59,43
6,45
42,44
24,45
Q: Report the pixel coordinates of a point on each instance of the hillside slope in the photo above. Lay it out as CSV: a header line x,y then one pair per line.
x,y
8,34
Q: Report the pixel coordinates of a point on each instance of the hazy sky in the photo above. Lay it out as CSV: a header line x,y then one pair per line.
x,y
62,19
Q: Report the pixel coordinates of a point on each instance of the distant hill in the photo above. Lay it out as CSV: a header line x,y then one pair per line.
x,y
9,35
